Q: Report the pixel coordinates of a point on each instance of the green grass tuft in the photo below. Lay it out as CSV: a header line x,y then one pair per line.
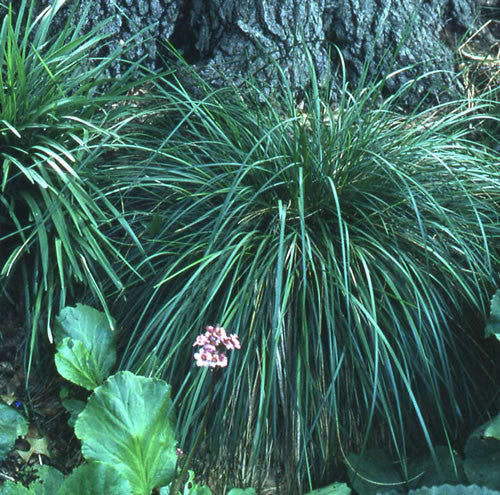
x,y
58,118
346,247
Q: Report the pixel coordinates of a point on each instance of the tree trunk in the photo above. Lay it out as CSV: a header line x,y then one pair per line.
x,y
229,40
145,21
238,38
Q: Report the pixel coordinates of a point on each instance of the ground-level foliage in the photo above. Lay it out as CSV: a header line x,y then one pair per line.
x,y
352,246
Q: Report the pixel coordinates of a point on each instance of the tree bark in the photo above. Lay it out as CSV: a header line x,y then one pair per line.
x,y
145,21
231,36
230,40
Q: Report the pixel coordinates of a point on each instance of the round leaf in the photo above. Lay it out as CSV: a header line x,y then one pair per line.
x,y
11,488
126,423
49,481
94,478
75,363
12,425
93,348
482,459
74,407
493,325
368,473
493,428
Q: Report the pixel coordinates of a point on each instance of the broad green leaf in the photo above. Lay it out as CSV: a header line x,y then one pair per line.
x,y
11,488
204,490
75,363
454,490
493,325
12,425
126,423
334,489
201,490
373,472
242,491
74,407
424,472
87,358
493,428
190,487
95,478
482,459
49,481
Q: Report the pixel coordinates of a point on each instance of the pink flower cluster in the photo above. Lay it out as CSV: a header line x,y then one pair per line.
x,y
213,343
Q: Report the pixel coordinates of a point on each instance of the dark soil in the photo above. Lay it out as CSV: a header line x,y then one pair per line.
x,y
39,402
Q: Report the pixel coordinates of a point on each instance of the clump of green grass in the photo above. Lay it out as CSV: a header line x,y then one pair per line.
x,y
56,124
345,246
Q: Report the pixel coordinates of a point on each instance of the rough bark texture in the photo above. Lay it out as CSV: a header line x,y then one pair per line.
x,y
228,40
146,20
230,36
238,38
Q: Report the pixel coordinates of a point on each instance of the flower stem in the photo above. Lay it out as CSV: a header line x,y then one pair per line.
x,y
185,466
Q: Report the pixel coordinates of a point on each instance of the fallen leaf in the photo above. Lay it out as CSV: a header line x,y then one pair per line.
x,y
38,445
9,398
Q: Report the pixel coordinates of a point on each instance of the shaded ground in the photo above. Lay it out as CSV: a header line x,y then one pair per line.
x,y
49,440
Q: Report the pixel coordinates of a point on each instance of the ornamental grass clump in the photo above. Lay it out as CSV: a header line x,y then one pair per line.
x,y
59,116
348,246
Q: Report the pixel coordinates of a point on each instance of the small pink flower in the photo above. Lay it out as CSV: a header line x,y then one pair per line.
x,y
232,342
236,341
202,358
222,360
201,340
213,343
